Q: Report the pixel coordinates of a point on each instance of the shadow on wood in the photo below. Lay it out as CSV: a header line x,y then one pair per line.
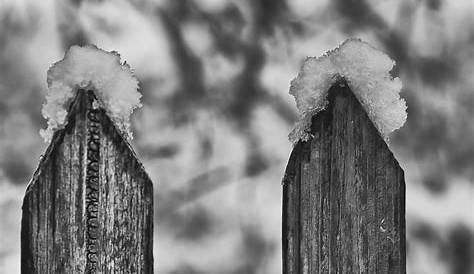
x,y
89,206
343,196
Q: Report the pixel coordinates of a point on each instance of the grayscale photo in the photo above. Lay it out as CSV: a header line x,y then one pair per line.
x,y
237,136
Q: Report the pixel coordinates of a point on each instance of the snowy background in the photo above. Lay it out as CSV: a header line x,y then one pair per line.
x,y
213,129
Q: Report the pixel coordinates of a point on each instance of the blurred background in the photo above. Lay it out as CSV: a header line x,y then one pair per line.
x,y
212,132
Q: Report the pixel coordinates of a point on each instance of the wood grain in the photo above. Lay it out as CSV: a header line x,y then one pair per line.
x,y
343,196
89,206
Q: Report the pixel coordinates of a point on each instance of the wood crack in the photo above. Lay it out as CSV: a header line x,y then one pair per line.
x,y
92,190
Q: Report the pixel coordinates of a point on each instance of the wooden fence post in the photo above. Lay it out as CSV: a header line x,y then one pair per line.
x,y
89,206
343,196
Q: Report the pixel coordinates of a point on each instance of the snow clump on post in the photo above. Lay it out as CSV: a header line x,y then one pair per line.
x,y
367,72
89,67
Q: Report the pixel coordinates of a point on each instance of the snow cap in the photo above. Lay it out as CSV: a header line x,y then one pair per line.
x,y
90,67
367,72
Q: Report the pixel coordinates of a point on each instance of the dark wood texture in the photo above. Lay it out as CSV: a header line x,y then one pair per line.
x,y
343,196
89,206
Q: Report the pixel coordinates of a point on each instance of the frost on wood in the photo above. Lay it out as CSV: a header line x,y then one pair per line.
x,y
367,72
91,68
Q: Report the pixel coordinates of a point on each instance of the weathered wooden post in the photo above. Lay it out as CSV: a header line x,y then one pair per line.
x,y
89,206
343,195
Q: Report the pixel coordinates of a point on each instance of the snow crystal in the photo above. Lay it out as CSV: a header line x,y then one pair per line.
x,y
91,68
367,72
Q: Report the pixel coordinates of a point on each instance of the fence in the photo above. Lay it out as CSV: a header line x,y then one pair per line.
x,y
89,206
343,196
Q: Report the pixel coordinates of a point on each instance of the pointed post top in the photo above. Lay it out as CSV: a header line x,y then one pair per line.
x,y
89,206
343,196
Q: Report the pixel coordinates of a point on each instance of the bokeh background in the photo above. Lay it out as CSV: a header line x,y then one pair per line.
x,y
212,133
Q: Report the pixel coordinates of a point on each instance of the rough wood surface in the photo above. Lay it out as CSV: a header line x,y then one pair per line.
x,y
89,206
343,196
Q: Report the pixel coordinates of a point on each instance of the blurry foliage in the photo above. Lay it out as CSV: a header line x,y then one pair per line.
x,y
192,224
456,249
439,137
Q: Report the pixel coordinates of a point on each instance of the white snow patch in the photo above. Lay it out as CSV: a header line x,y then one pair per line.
x,y
90,67
367,72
